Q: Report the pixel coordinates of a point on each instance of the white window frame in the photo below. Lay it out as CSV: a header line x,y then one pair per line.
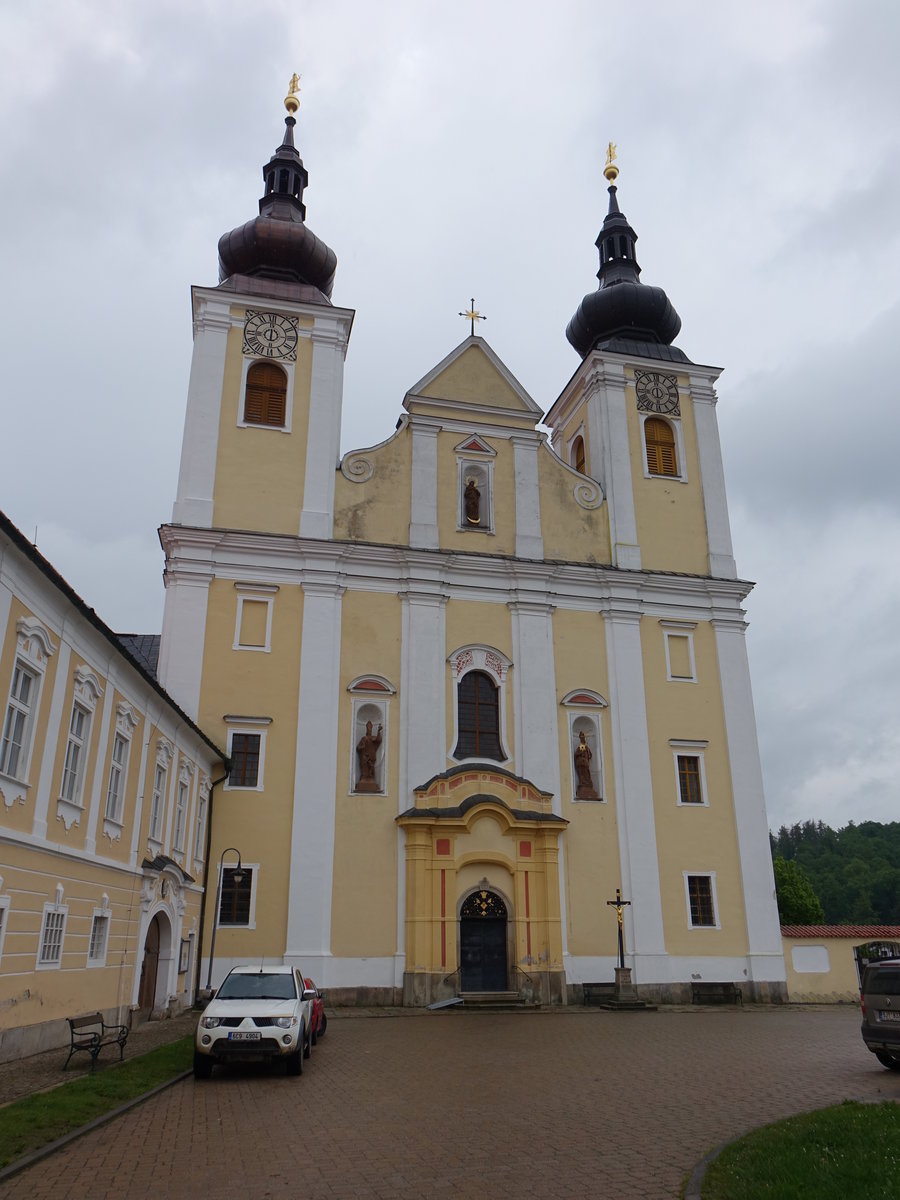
x,y
683,629
34,648
248,725
289,368
253,868
87,692
25,710
165,752
52,909
71,788
497,666
104,914
711,876
678,430
259,594
118,777
570,447
482,469
182,800
690,749
200,819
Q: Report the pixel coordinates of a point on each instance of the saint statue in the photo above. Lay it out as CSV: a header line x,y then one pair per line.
x,y
367,751
585,789
472,502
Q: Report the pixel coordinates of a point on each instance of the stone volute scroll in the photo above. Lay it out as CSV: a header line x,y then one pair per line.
x,y
367,752
585,789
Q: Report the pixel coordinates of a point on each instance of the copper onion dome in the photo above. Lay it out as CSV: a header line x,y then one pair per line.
x,y
277,252
623,313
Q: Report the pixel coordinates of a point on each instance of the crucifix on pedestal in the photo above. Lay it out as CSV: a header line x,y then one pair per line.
x,y
619,905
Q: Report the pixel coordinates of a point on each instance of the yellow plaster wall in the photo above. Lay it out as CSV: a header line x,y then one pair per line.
x,y
839,984
671,524
473,379
364,893
251,683
475,622
693,838
569,531
379,509
260,471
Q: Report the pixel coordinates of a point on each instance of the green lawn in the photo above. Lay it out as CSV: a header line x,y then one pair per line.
x,y
26,1125
849,1152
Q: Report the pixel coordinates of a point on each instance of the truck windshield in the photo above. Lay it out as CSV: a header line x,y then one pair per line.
x,y
261,986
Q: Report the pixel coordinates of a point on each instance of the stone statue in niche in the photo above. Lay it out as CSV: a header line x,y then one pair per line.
x,y
472,502
585,789
367,752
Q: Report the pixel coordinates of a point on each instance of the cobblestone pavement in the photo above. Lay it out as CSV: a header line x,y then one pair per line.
x,y
561,1104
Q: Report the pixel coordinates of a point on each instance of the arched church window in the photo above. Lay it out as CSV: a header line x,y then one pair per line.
x,y
578,454
266,395
659,438
478,714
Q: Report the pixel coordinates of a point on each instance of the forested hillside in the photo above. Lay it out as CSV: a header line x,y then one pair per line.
x,y
854,871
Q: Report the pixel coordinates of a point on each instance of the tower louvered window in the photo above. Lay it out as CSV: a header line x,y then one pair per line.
x,y
660,441
266,395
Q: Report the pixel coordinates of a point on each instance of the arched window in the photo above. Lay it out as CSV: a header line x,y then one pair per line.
x,y
266,395
659,439
478,717
578,454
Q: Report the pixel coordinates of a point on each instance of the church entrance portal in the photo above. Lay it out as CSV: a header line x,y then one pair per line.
x,y
482,943
149,969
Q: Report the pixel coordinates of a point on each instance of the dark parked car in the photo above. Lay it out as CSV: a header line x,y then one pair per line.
x,y
880,1001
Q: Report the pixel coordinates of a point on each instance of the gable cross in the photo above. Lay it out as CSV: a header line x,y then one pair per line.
x,y
472,315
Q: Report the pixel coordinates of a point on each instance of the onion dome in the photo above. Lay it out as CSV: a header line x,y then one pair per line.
x,y
623,314
277,253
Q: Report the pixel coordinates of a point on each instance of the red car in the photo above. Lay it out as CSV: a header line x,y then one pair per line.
x,y
319,1020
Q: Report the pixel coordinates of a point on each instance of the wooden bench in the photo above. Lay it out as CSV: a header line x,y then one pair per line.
x,y
597,993
91,1034
716,993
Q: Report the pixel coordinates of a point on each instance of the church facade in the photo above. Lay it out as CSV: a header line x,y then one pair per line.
x,y
477,677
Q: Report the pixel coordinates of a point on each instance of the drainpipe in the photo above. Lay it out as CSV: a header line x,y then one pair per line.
x,y
209,816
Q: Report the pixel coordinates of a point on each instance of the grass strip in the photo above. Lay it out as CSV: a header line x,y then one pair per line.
x,y
28,1124
849,1150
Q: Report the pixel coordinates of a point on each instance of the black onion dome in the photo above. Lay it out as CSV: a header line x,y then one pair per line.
x,y
278,245
622,310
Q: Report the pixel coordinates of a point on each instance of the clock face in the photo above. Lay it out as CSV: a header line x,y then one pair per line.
x,y
270,335
656,392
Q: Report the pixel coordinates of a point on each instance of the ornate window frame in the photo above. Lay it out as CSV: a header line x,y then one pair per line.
x,y
34,648
86,692
490,660
475,459
52,909
127,721
101,919
165,753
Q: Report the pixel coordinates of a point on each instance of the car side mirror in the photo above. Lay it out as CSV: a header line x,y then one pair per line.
x,y
309,995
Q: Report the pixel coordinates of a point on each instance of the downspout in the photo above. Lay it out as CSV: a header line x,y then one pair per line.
x,y
199,957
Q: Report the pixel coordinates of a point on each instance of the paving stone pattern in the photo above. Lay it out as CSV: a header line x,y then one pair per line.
x,y
558,1104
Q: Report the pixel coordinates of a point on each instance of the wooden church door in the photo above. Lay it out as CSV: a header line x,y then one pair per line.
x,y
482,943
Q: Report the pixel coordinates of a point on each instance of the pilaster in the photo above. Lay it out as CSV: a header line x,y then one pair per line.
x,y
423,529
712,478
529,543
324,432
604,388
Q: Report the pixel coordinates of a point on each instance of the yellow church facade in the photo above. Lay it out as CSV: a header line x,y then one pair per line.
x,y
475,678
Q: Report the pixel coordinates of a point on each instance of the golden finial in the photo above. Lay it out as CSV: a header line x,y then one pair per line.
x,y
292,99
611,171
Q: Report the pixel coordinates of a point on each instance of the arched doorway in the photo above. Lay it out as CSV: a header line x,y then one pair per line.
x,y
149,969
482,943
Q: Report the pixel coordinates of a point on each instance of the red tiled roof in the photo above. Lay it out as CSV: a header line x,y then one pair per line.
x,y
871,932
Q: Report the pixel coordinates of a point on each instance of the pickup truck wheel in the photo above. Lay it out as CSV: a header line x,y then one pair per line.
x,y
891,1061
307,1045
293,1064
203,1066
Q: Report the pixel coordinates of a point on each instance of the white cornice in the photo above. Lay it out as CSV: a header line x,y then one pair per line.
x,y
502,421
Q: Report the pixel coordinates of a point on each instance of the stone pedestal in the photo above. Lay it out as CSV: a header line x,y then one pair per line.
x,y
626,996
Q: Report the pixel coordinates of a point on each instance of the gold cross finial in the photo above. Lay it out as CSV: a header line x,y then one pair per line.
x,y
292,99
471,315
611,171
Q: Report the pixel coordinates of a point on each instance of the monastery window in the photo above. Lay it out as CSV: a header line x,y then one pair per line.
x,y
158,803
99,935
18,722
700,891
253,621
690,772
681,665
478,711
237,903
200,824
265,395
118,768
4,918
246,748
576,454
76,754
659,441
53,929
181,804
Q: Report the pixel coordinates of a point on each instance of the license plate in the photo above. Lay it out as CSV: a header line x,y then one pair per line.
x,y
886,1015
249,1036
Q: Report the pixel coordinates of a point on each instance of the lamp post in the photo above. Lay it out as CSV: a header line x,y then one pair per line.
x,y
237,876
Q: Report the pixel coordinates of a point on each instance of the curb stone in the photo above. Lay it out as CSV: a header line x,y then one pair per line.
x,y
45,1151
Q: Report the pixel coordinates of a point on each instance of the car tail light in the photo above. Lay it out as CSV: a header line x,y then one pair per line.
x,y
862,1003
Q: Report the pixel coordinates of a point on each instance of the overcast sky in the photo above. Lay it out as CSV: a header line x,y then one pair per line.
x,y
457,150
